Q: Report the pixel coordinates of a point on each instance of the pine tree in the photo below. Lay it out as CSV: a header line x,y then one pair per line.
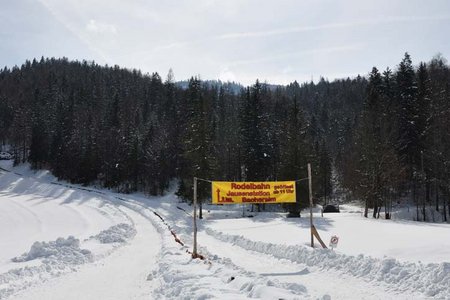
x,y
293,156
439,73
423,127
370,145
325,173
408,134
199,150
252,135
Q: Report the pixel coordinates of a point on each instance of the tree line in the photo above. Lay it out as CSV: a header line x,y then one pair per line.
x,y
400,146
378,138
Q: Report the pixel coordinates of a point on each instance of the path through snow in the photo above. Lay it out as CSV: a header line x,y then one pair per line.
x,y
126,251
121,275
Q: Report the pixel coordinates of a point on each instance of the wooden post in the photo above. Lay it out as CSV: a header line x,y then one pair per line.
x,y
310,204
316,234
194,251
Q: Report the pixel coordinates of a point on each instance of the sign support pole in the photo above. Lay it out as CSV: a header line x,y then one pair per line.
x,y
310,204
194,251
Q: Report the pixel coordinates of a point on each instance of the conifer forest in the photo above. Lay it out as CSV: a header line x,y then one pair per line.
x,y
377,137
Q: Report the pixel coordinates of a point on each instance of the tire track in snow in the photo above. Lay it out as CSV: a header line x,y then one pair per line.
x,y
68,188
37,220
46,194
113,199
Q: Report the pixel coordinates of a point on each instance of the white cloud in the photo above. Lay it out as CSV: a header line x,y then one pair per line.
x,y
277,41
291,55
99,27
71,27
297,29
227,75
287,70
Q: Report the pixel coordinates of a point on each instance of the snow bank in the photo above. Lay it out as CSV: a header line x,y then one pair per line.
x,y
433,280
62,250
180,277
57,257
119,233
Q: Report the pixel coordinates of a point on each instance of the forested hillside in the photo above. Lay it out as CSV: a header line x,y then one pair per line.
x,y
379,137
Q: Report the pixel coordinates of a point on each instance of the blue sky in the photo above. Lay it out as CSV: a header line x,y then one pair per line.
x,y
240,40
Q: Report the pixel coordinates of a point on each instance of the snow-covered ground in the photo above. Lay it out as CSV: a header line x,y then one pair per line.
x,y
64,241
403,240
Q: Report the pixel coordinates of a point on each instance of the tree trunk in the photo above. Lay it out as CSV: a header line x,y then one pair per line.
x,y
448,202
385,202
375,208
425,198
24,151
388,206
437,195
424,212
415,200
444,211
366,208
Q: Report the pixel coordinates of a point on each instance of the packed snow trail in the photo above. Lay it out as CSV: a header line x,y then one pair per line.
x,y
122,275
110,262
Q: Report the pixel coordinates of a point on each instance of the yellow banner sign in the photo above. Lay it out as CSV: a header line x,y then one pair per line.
x,y
224,192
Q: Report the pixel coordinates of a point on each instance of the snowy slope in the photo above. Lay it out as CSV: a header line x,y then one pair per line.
x,y
115,246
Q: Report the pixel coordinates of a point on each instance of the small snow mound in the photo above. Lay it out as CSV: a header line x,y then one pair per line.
x,y
119,233
64,250
57,257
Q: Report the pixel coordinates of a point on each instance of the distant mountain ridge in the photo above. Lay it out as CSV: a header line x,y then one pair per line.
x,y
231,86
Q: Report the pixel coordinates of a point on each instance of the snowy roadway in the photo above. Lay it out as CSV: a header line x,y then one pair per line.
x,y
120,249
121,275
33,209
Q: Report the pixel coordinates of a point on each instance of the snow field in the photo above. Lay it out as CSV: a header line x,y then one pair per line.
x,y
122,247
406,241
